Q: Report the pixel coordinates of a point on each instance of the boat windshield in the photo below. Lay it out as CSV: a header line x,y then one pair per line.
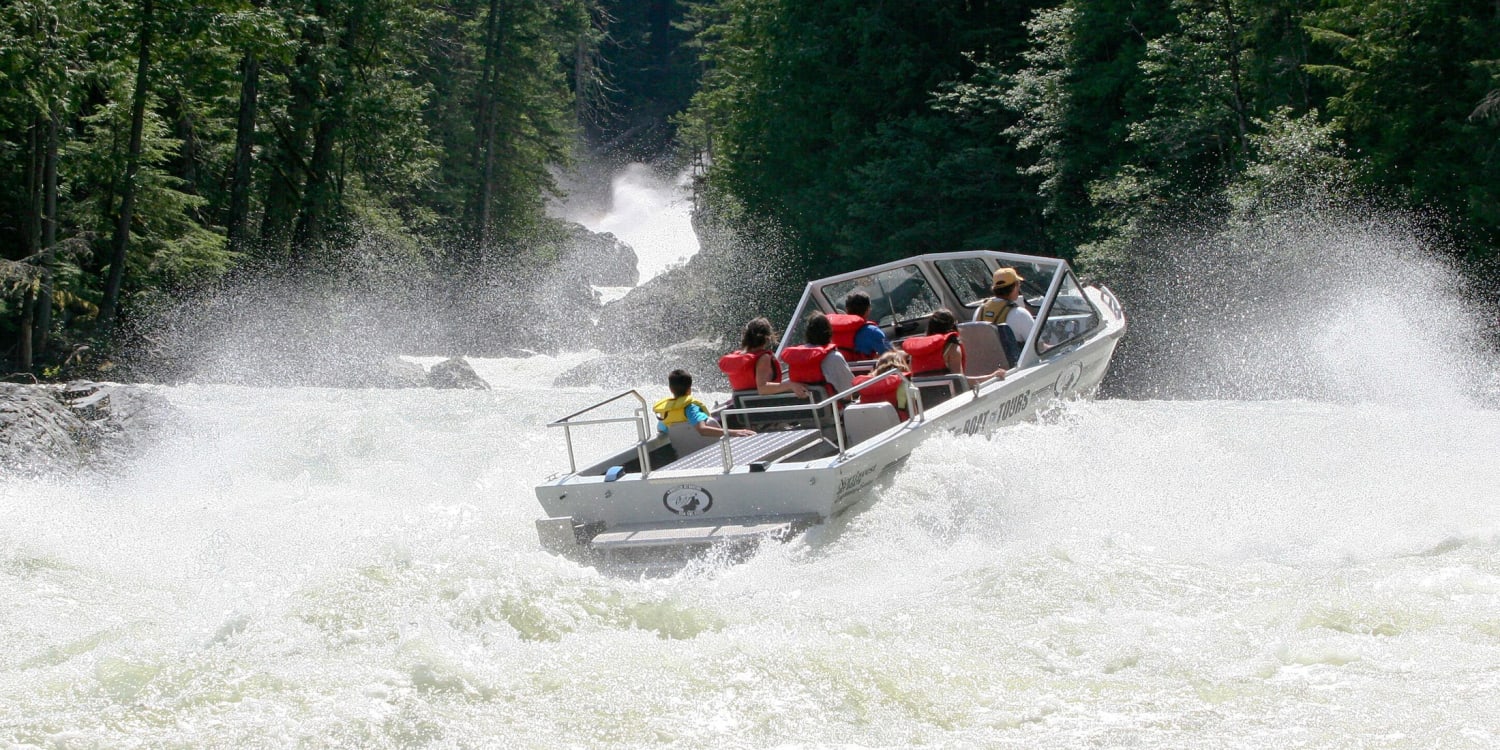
x,y
970,279
895,295
903,296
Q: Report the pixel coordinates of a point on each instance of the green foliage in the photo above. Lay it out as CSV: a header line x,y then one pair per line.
x,y
1411,78
1293,158
822,115
364,133
427,135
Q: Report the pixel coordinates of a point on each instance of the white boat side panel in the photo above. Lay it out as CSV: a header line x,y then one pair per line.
x,y
692,505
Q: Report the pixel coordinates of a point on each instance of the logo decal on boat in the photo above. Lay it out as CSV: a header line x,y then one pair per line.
x,y
1068,379
687,500
994,417
855,482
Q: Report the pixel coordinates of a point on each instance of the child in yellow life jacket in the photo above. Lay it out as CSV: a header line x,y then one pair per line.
x,y
683,407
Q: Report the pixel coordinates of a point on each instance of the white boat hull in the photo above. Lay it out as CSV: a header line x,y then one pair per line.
x,y
701,507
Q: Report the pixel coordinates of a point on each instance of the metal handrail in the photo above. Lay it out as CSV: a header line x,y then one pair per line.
x,y
641,428
914,394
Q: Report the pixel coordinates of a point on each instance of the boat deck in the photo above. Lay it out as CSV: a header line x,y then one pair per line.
x,y
758,448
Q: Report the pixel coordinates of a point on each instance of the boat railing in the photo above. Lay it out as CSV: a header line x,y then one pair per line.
x,y
914,401
642,428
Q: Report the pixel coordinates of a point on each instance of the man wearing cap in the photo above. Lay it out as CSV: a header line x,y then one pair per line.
x,y
1003,309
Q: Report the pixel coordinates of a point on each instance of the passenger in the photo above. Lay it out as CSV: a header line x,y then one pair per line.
x,y
856,336
890,390
754,365
683,407
818,362
1005,309
940,352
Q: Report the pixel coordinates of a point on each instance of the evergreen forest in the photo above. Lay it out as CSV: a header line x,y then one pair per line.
x,y
150,148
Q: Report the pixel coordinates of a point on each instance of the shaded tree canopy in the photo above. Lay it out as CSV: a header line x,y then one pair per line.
x,y
151,146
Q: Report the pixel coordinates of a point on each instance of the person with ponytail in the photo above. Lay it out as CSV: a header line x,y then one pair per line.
x,y
940,352
754,367
891,389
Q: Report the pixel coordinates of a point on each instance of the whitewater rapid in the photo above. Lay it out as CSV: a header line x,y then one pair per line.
x,y
347,568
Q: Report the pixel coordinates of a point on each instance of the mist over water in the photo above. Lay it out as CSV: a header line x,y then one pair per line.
x,y
1328,302
1258,563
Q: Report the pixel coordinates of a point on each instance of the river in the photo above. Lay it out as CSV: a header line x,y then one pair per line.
x,y
358,568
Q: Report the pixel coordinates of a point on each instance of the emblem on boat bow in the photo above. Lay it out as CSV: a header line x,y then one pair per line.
x,y
687,500
1068,379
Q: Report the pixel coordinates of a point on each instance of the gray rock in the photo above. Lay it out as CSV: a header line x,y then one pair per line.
x,y
391,372
37,431
455,372
739,274
48,428
601,259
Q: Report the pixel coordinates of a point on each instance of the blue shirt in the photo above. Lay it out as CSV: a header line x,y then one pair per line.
x,y
869,338
694,417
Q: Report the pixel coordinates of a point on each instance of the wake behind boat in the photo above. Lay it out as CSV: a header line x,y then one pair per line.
x,y
811,459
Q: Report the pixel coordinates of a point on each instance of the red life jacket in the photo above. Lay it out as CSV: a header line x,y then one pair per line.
x,y
804,363
845,326
740,366
927,352
882,391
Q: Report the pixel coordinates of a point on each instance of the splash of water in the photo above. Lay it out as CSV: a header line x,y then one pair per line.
x,y
1320,301
648,211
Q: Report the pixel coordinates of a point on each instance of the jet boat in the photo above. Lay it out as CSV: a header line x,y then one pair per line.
x,y
811,459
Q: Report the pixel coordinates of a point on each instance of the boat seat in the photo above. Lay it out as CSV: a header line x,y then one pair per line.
x,y
864,421
752,400
939,388
686,439
983,352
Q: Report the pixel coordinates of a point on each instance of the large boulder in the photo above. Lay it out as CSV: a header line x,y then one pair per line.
x,y
49,428
385,372
455,372
37,430
601,259
740,273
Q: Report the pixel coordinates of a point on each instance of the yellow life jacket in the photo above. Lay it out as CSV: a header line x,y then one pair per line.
x,y
672,410
995,310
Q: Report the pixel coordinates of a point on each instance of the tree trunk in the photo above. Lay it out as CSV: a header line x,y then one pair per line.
x,y
1238,104
484,130
34,168
49,232
132,163
289,167
238,223
320,196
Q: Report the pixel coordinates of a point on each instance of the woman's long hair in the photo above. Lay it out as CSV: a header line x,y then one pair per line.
x,y
941,321
892,360
758,335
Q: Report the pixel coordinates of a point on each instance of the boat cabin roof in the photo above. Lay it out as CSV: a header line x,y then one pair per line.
x,y
904,293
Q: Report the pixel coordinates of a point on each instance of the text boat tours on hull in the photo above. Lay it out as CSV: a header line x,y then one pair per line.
x,y
813,458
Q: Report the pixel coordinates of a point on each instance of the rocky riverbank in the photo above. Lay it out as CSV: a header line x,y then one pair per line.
x,y
64,427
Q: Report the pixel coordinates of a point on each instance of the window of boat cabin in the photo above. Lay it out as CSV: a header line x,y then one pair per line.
x,y
971,280
1072,316
900,298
